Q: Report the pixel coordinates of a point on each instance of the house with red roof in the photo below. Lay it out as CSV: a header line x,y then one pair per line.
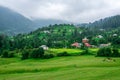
x,y
86,42
76,44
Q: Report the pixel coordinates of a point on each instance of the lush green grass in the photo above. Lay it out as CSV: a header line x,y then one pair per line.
x,y
70,51
60,68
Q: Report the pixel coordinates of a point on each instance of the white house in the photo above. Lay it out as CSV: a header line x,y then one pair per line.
x,y
114,35
100,36
44,47
104,45
46,31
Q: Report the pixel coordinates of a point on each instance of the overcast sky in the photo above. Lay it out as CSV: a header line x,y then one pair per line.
x,y
78,11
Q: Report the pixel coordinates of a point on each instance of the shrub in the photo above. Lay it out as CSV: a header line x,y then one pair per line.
x,y
108,52
101,52
25,55
63,54
4,54
115,52
11,54
37,53
47,56
1,52
34,54
105,52
7,54
41,52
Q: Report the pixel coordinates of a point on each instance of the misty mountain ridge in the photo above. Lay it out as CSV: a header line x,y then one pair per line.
x,y
106,23
47,22
12,22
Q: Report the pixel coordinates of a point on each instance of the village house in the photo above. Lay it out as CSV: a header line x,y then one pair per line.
x,y
46,31
100,36
115,35
104,45
86,42
76,44
44,47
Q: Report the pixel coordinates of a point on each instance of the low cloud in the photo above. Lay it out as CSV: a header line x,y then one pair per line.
x,y
77,11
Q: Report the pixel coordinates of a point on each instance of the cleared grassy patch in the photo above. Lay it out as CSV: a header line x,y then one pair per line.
x,y
70,51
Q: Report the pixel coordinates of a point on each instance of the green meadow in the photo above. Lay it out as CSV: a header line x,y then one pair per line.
x,y
60,68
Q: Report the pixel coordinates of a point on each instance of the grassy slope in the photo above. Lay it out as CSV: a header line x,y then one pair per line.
x,y
60,68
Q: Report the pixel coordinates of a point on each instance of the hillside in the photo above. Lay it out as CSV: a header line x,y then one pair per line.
x,y
63,35
54,36
12,22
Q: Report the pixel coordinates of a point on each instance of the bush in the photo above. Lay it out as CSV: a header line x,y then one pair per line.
x,y
108,52
37,53
105,52
115,52
5,54
34,54
101,52
25,55
11,54
63,54
1,52
48,56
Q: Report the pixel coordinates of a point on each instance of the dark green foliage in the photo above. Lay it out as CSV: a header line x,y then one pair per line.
x,y
63,54
108,52
116,41
115,52
101,52
105,52
4,42
25,54
37,53
34,54
47,56
5,54
11,54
